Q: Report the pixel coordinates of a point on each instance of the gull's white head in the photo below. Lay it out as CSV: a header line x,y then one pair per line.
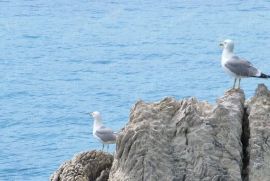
x,y
96,115
227,45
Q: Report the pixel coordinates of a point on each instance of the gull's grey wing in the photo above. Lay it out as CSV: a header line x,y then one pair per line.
x,y
105,134
242,67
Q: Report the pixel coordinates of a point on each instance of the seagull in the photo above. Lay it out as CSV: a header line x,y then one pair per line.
x,y
236,66
104,134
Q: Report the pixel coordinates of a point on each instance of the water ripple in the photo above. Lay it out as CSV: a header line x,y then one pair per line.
x,y
62,59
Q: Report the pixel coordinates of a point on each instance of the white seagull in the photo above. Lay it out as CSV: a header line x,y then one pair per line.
x,y
237,67
104,134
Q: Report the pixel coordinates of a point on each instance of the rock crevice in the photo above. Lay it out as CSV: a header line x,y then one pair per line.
x,y
245,146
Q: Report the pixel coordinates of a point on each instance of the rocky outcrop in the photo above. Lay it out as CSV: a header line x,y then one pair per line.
x,y
182,140
185,140
258,111
92,165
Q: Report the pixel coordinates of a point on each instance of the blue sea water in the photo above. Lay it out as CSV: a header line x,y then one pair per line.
x,y
61,59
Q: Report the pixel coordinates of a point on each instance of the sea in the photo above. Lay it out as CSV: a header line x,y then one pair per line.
x,y
61,60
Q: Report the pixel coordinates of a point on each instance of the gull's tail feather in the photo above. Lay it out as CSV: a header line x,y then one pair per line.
x,y
265,76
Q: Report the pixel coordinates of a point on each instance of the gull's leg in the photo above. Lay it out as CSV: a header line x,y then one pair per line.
x,y
108,147
239,83
102,146
234,83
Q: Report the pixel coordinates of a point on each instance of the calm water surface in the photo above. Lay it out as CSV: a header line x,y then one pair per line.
x,y
61,59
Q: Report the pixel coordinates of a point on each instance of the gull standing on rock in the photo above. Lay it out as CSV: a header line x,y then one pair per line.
x,y
104,134
237,67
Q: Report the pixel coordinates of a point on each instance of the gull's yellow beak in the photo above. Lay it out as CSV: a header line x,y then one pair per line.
x,y
221,44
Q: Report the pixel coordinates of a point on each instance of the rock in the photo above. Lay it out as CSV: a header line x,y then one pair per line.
x,y
181,140
185,140
258,111
86,166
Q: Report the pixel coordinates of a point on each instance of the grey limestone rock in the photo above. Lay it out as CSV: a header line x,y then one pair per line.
x,y
185,140
181,140
86,166
258,111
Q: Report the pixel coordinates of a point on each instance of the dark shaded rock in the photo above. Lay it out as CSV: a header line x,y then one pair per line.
x,y
86,166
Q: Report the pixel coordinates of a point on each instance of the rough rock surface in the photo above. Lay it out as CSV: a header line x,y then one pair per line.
x,y
86,166
258,110
182,140
185,140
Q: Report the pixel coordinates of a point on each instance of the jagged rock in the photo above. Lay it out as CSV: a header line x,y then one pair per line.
x,y
86,166
185,140
181,140
258,110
